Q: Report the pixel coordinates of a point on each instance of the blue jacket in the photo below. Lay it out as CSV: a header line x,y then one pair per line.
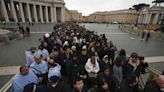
x,y
21,81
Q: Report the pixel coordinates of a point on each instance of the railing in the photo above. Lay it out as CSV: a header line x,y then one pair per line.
x,y
7,86
150,74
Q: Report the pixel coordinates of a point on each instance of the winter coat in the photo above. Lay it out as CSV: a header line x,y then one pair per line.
x,y
124,87
129,68
118,73
152,87
90,68
61,87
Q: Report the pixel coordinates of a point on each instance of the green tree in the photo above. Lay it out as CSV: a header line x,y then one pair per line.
x,y
158,2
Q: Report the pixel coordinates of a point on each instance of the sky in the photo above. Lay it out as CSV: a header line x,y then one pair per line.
x,y
90,6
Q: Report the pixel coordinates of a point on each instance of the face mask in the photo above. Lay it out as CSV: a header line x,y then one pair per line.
x,y
41,48
32,52
54,85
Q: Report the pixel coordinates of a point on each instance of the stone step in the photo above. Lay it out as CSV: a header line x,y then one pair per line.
x,y
9,70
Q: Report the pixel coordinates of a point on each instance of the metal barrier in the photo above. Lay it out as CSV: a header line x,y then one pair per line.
x,y
150,74
7,86
153,73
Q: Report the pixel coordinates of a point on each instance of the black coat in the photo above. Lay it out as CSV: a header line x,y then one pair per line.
x,y
61,87
124,87
111,80
152,87
83,90
103,65
83,58
128,69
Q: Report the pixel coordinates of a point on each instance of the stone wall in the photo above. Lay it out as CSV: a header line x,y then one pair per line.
x,y
138,31
6,36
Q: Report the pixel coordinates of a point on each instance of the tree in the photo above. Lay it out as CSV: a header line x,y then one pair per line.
x,y
139,7
158,2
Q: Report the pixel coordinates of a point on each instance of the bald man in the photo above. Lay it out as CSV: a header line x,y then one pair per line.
x,y
40,68
24,77
156,85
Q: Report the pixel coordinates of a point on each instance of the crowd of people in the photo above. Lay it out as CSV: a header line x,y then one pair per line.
x,y
74,59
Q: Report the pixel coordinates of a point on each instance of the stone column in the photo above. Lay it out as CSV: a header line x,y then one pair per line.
x,y
28,12
4,11
41,13
21,12
13,11
35,13
62,14
139,18
46,11
52,14
55,19
149,18
156,19
146,18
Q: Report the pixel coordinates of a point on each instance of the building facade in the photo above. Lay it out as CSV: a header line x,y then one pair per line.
x,y
151,15
32,11
85,19
127,16
75,16
67,15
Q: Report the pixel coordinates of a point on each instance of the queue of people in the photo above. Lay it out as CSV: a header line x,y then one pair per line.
x,y
74,59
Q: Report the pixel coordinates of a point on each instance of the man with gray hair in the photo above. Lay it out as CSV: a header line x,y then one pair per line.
x,y
156,85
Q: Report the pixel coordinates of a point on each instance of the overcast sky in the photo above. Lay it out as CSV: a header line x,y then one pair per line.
x,y
89,6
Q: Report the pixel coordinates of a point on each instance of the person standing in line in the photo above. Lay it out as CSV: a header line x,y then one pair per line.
x,y
156,85
112,48
92,68
40,68
30,55
24,77
79,85
129,84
